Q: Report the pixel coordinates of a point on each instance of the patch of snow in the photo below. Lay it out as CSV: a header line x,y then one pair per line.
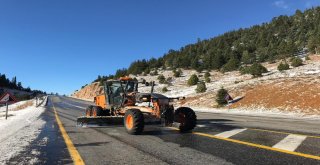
x,y
312,72
12,106
258,111
19,130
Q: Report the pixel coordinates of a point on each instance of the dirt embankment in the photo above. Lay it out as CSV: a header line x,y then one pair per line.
x,y
291,95
88,92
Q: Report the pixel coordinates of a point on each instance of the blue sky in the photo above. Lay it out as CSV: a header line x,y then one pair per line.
x,y
60,45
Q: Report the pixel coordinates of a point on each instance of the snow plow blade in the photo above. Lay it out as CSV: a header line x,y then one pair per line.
x,y
100,120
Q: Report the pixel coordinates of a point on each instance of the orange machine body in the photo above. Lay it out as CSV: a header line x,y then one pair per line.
x,y
100,100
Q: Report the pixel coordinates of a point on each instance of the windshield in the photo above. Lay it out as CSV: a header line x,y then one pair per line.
x,y
130,86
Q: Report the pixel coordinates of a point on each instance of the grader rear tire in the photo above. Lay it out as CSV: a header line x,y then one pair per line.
x,y
187,119
134,121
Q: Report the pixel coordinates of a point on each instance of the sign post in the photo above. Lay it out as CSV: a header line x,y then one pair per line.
x,y
7,110
7,99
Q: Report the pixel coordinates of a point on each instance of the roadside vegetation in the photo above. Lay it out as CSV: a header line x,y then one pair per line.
x,y
23,106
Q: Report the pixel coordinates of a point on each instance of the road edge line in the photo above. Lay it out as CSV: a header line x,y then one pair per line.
x,y
77,160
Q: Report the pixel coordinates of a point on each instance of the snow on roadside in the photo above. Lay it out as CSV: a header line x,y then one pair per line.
x,y
12,106
257,111
21,128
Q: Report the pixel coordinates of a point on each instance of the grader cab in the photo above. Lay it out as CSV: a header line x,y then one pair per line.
x,y
121,102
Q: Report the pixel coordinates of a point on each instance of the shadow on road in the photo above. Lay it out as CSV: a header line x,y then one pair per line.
x,y
91,144
215,125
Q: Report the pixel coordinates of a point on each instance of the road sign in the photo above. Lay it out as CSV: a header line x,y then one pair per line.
x,y
7,98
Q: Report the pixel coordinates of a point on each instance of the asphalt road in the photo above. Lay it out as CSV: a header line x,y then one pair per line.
x,y
218,139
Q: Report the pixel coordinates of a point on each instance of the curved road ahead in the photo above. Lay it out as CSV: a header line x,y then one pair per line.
x,y
218,139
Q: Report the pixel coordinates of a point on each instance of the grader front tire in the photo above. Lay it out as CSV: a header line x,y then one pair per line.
x,y
96,111
134,121
89,111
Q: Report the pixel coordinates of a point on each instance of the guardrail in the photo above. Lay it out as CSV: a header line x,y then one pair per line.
x,y
40,100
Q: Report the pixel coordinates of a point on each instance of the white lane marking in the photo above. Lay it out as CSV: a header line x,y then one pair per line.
x,y
230,133
74,105
291,142
201,125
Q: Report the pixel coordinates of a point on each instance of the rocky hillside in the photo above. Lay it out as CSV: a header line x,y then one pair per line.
x,y
294,90
88,92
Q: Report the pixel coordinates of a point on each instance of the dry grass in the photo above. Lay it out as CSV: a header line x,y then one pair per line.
x,y
23,106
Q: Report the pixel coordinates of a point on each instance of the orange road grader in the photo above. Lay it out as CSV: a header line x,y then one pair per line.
x,y
121,102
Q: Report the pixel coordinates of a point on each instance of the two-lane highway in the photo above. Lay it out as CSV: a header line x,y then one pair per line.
x,y
218,139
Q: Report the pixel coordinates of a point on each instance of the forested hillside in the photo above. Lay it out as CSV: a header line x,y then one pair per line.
x,y
283,37
13,84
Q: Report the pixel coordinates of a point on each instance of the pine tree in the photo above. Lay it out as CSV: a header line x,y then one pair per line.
x,y
217,61
14,82
231,65
221,97
247,58
283,66
207,74
201,87
19,86
314,44
155,72
296,62
161,79
177,73
164,90
207,80
193,80
257,69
